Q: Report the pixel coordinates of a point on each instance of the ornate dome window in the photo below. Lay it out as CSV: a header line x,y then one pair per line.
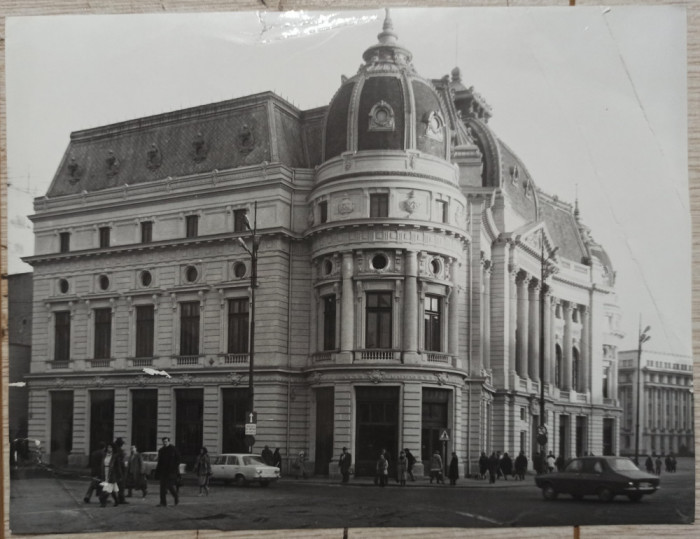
x,y
436,266
239,270
191,274
381,117
146,278
434,125
327,266
379,261
63,286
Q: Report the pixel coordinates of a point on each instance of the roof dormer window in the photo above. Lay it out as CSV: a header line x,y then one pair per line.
x,y
381,117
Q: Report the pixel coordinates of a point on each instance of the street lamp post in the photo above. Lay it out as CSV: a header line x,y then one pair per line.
x,y
253,252
545,271
643,337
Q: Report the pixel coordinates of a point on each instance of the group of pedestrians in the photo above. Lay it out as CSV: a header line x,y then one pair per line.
x,y
114,475
653,463
404,467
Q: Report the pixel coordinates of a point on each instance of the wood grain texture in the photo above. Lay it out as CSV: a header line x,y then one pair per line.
x,y
56,7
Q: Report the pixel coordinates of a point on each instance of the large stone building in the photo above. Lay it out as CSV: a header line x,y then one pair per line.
x,y
666,406
399,279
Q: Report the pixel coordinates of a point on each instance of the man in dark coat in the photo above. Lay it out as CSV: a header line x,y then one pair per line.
x,y
453,472
96,462
506,466
493,467
483,465
520,466
411,461
344,462
266,456
167,470
120,468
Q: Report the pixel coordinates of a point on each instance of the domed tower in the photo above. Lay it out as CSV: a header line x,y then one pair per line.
x,y
387,239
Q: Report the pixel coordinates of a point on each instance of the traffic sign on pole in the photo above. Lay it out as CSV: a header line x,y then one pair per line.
x,y
444,435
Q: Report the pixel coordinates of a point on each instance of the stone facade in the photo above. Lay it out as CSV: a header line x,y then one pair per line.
x,y
399,278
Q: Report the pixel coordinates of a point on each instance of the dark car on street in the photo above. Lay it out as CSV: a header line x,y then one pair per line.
x,y
605,477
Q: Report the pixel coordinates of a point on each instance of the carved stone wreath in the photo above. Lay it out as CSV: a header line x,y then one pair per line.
x,y
376,376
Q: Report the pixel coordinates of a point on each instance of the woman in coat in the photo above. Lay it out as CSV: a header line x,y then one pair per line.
x,y
382,469
110,473
436,468
202,467
135,476
453,472
402,468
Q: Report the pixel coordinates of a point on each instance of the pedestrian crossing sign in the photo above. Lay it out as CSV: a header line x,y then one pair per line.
x,y
444,435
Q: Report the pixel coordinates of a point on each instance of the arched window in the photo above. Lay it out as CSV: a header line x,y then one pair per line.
x,y
557,367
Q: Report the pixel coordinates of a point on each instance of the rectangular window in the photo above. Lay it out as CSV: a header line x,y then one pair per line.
x,y
192,225
65,241
379,205
433,322
329,323
442,210
146,231
61,350
238,322
189,328
103,333
104,237
379,322
144,330
240,223
323,208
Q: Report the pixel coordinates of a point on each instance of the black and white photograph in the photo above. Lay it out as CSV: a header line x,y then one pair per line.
x,y
349,270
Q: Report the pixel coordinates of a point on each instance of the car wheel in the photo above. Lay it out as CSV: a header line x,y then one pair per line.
x,y
264,483
240,481
635,496
548,492
605,494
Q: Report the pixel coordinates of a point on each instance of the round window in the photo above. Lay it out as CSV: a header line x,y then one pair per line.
x,y
239,270
435,266
327,267
379,261
191,274
104,282
146,278
63,286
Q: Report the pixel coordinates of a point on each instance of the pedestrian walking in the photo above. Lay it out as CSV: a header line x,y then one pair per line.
x,y
538,462
560,463
520,466
551,462
382,469
266,456
506,466
493,467
277,458
453,472
135,475
649,464
411,462
483,465
167,471
658,464
300,465
436,468
402,468
673,462
120,463
96,458
109,474
202,468
344,463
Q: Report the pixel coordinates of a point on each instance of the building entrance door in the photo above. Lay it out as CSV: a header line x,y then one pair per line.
x,y
581,435
324,429
144,419
608,427
433,420
101,417
235,403
61,427
188,423
377,428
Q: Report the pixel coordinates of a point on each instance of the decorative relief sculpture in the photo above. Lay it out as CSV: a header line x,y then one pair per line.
x,y
514,174
153,157
317,377
245,139
410,205
112,164
98,381
434,126
200,148
345,206
441,378
235,378
376,376
186,379
381,117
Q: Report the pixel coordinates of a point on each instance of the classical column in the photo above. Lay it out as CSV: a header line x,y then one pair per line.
x,y
513,319
315,343
486,346
585,360
347,312
567,311
548,344
410,310
534,336
523,325
453,313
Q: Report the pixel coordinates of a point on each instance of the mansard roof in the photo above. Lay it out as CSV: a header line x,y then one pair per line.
x,y
218,136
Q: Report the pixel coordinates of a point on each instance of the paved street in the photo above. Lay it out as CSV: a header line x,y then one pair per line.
x,y
54,504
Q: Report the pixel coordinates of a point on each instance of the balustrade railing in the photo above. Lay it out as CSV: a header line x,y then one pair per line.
x,y
187,360
436,357
318,357
376,355
142,362
99,363
236,359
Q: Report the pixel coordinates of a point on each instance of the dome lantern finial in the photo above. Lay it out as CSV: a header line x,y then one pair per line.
x,y
387,36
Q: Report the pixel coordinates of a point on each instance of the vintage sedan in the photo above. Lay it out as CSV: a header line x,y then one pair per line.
x,y
242,469
605,477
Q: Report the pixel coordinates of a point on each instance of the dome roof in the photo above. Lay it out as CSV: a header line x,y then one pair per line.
x,y
386,106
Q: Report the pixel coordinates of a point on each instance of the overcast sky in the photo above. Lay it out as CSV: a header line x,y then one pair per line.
x,y
593,100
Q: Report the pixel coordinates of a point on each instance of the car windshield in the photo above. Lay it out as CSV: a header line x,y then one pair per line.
x,y
252,460
622,465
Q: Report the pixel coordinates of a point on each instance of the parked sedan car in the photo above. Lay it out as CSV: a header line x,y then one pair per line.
x,y
605,477
150,461
242,468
